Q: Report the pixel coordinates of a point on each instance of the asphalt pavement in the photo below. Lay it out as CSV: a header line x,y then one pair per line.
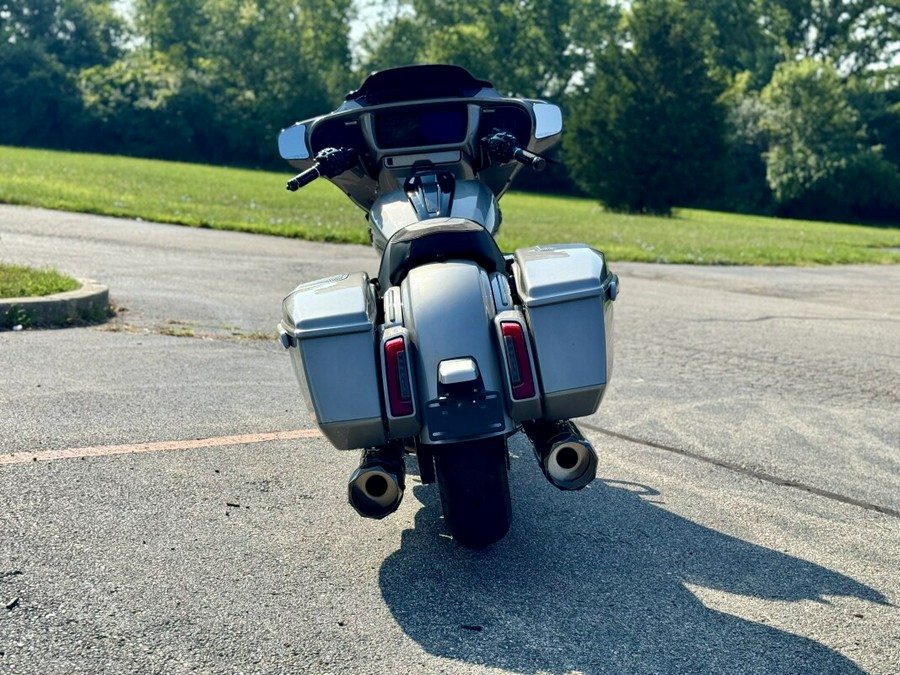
x,y
166,505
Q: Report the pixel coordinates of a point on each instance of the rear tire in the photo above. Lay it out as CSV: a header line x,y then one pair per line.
x,y
474,487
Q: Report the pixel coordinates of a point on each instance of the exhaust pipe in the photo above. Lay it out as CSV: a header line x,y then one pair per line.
x,y
566,458
375,489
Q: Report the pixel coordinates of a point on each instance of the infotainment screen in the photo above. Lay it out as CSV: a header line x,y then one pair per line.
x,y
412,128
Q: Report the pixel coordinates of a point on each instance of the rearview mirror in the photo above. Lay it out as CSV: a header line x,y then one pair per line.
x,y
547,120
292,142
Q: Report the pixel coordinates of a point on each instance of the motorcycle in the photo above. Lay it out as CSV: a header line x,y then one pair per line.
x,y
453,347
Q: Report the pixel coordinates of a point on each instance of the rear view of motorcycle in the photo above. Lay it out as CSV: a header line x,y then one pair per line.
x,y
453,347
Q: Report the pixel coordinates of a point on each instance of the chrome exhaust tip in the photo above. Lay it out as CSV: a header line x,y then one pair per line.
x,y
375,489
567,459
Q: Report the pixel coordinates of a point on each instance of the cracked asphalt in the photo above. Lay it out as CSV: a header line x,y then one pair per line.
x,y
745,518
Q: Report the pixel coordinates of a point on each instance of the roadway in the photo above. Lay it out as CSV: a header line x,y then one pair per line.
x,y
167,506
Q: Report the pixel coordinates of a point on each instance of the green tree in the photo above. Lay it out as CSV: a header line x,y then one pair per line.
x,y
218,85
171,27
878,101
525,47
38,99
742,182
648,132
819,162
274,64
132,108
75,33
857,36
43,45
738,42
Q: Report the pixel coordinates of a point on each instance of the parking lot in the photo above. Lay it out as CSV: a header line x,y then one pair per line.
x,y
166,504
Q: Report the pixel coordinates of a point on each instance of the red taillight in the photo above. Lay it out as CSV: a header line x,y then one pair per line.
x,y
520,373
397,374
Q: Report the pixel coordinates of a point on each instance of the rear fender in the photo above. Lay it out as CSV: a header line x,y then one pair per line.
x,y
448,309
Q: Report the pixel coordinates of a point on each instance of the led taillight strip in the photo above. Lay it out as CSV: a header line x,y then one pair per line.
x,y
520,373
397,373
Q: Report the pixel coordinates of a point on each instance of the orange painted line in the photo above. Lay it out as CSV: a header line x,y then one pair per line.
x,y
161,446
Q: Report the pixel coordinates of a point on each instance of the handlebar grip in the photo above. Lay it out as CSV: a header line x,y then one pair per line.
x,y
304,178
529,159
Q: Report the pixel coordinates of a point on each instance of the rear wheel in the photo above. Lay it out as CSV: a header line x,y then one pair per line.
x,y
474,488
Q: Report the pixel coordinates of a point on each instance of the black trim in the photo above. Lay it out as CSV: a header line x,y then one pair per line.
x,y
438,240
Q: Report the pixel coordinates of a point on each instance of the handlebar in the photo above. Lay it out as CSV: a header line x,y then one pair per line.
x,y
330,162
304,178
503,146
536,162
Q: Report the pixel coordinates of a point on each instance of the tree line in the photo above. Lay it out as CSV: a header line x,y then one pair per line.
x,y
787,107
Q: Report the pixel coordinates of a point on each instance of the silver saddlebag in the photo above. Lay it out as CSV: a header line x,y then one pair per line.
x,y
566,291
329,329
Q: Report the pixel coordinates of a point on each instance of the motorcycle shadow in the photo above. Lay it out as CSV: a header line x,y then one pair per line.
x,y
594,582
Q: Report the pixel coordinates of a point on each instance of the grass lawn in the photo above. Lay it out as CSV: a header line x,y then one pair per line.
x,y
256,201
25,282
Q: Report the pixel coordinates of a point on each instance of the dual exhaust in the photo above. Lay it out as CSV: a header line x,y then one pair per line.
x,y
565,456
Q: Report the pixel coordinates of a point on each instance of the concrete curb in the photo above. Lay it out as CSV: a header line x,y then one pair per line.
x,y
90,303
